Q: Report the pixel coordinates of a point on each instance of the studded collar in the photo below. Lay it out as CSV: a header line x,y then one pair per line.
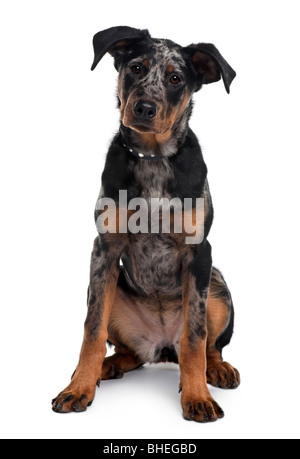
x,y
138,154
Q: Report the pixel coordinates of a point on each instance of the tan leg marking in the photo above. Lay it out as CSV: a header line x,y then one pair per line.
x,y
219,374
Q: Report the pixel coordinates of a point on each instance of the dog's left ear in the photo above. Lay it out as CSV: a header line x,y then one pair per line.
x,y
209,64
116,41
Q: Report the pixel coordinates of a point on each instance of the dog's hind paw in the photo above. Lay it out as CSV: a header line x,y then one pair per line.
x,y
111,372
223,375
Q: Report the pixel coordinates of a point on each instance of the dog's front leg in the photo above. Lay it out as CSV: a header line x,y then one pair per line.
x,y
197,403
103,281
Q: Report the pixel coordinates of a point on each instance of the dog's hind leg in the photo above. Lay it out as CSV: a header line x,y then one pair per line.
x,y
121,362
220,320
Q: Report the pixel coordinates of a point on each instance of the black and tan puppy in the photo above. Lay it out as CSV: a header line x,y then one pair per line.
x,y
165,301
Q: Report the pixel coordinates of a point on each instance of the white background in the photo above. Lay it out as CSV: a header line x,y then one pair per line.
x,y
57,119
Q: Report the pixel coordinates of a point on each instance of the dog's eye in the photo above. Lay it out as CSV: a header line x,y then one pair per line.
x,y
175,79
136,69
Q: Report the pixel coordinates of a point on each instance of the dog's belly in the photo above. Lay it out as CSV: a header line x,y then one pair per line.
x,y
153,265
150,327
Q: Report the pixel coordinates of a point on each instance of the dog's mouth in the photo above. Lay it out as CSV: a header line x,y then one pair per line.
x,y
147,127
132,122
143,128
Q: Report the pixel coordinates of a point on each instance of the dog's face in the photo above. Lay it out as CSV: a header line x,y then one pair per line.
x,y
154,89
158,77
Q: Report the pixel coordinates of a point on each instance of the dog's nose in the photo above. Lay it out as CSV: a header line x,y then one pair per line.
x,y
145,110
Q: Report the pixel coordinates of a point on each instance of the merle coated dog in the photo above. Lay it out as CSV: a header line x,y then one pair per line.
x,y
153,296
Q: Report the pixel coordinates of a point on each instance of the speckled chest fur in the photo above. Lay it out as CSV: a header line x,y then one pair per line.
x,y
151,260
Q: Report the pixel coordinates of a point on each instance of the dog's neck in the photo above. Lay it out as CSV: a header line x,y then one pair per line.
x,y
166,144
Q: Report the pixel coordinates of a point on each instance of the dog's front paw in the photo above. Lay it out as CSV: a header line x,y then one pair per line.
x,y
201,410
75,397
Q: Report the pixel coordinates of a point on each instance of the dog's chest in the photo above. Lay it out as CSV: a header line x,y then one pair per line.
x,y
154,256
152,264
153,178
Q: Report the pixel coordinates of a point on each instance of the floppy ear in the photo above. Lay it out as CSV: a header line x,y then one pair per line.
x,y
115,41
209,64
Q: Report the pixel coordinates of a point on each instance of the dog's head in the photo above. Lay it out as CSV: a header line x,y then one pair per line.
x,y
158,77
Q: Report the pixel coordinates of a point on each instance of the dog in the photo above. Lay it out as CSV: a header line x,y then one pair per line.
x,y
153,295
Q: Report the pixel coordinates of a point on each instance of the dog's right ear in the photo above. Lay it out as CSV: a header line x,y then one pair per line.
x,y
116,41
